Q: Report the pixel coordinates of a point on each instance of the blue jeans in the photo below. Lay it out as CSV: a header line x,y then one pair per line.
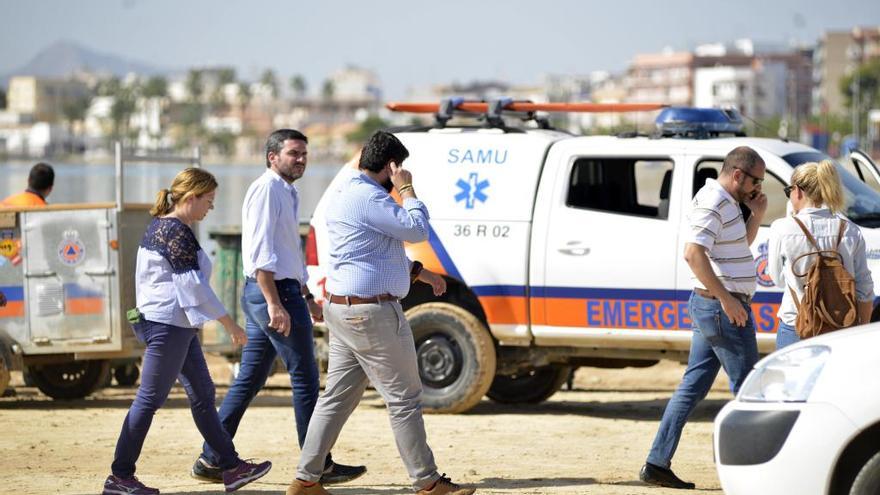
x,y
297,351
172,353
785,336
716,342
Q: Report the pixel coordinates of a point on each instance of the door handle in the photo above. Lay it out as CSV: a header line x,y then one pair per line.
x,y
45,274
574,248
99,273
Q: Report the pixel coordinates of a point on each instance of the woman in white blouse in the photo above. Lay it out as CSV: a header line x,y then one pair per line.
x,y
175,299
817,200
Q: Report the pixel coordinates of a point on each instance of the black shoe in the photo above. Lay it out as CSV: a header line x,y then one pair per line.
x,y
205,471
656,475
337,473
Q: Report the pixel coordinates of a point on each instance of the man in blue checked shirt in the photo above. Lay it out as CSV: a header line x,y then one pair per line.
x,y
370,338
276,302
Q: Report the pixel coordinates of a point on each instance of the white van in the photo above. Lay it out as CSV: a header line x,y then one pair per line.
x,y
563,251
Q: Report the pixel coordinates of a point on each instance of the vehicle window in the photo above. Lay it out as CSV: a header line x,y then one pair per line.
x,y
773,187
866,174
862,202
632,186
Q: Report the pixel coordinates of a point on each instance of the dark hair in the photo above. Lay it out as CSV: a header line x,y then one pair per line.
x,y
381,148
277,138
743,158
42,177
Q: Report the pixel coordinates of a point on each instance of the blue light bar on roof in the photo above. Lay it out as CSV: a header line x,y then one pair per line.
x,y
699,122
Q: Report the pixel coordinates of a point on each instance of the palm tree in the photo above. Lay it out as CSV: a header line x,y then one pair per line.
x,y
155,87
268,79
194,84
328,90
298,85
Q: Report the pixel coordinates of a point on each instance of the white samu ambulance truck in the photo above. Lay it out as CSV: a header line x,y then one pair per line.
x,y
562,251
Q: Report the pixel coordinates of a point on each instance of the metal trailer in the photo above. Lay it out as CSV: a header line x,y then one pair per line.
x,y
67,272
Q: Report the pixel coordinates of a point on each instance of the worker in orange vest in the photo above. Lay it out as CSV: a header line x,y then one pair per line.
x,y
40,182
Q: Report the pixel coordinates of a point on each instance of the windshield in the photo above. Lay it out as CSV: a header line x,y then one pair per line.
x,y
862,202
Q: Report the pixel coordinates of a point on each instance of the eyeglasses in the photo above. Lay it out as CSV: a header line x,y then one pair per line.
x,y
787,190
755,180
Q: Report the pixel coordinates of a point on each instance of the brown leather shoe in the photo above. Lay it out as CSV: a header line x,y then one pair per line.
x,y
445,486
297,487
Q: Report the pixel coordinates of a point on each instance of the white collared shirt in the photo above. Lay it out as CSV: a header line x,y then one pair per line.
x,y
717,224
787,241
270,229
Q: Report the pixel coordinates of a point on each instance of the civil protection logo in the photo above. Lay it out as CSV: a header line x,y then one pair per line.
x,y
71,250
471,190
764,279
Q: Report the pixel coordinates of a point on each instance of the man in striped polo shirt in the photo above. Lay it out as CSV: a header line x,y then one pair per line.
x,y
717,251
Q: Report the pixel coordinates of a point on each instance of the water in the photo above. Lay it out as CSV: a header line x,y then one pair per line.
x,y
95,182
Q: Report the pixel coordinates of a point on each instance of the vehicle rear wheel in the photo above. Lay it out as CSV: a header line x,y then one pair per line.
x,y
456,356
867,482
533,386
5,375
73,380
127,374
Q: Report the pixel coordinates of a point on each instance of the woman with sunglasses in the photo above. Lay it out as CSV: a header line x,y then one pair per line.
x,y
816,198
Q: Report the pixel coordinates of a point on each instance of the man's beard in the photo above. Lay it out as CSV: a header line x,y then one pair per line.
x,y
388,185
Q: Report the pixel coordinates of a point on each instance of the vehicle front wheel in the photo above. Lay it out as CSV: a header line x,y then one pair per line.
x,y
455,354
533,386
126,375
867,482
73,380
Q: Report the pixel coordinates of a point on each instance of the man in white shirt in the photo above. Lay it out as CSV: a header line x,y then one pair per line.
x,y
276,300
717,251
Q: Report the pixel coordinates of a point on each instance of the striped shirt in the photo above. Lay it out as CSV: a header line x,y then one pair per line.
x,y
717,224
367,230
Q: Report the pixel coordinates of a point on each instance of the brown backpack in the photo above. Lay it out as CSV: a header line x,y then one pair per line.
x,y
829,301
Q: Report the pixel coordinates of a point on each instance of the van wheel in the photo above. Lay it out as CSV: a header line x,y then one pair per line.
x,y
73,380
5,375
456,356
867,482
127,374
533,386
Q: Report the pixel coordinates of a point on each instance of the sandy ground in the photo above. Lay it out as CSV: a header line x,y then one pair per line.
x,y
591,440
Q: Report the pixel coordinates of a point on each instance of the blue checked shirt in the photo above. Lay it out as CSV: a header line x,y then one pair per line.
x,y
367,230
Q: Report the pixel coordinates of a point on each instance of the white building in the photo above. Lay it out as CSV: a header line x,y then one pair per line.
x,y
757,91
355,84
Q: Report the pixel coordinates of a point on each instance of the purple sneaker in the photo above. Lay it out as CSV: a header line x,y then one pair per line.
x,y
130,486
244,473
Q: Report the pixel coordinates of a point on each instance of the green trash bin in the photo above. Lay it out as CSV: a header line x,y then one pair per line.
x,y
227,280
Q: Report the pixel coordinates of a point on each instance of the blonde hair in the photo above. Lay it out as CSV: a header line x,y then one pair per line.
x,y
821,183
189,182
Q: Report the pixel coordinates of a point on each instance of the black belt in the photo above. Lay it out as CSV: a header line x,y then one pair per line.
x,y
744,298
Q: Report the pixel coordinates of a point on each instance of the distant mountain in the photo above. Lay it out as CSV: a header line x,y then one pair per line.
x,y
63,58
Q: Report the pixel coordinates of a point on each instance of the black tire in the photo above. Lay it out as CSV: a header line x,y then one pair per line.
x,y
532,387
126,375
73,380
867,482
5,374
456,357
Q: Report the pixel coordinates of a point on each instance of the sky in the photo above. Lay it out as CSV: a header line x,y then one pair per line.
x,y
410,42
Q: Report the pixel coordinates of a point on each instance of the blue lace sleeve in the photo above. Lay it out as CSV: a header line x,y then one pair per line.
x,y
176,242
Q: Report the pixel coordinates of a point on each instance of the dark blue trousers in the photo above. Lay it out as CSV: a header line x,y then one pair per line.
x,y
297,352
172,353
